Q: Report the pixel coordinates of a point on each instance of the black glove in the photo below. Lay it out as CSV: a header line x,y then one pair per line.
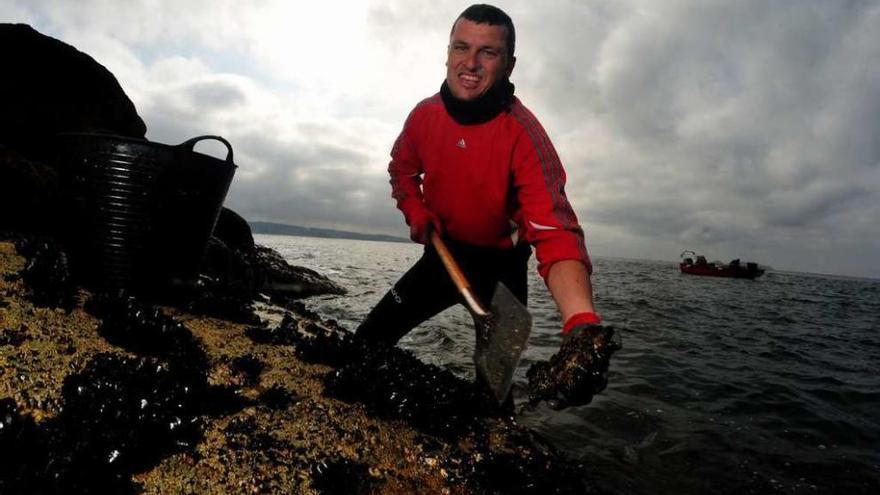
x,y
578,371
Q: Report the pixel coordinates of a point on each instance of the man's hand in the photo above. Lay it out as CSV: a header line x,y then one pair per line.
x,y
580,368
421,223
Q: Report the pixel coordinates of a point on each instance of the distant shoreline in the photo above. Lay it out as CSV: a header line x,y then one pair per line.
x,y
296,230
284,229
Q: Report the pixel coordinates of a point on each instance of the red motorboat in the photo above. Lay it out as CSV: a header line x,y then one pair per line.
x,y
734,269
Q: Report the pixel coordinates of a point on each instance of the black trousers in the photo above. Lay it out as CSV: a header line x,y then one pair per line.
x,y
426,288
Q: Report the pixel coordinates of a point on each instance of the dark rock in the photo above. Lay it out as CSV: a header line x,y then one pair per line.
x,y
240,270
234,232
231,269
50,87
29,194
285,280
230,255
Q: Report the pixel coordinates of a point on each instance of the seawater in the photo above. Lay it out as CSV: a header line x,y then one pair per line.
x,y
722,386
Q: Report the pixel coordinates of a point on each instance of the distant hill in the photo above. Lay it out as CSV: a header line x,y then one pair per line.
x,y
284,229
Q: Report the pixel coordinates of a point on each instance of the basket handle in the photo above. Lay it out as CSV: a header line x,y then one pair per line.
x,y
190,144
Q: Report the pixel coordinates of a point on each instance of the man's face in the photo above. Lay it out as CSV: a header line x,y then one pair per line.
x,y
477,58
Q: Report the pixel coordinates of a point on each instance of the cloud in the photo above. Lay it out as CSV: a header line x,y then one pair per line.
x,y
740,129
726,123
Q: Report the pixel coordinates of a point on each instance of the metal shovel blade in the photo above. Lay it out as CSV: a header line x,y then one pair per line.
x,y
501,338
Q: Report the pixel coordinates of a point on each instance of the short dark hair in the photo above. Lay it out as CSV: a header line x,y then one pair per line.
x,y
482,13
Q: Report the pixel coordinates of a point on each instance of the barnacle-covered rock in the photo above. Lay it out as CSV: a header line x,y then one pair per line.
x,y
125,397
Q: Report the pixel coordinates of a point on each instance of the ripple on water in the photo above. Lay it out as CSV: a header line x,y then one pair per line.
x,y
739,381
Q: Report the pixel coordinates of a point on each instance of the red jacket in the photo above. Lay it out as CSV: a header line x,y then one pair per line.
x,y
490,184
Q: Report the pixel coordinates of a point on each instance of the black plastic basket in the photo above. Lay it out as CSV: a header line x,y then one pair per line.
x,y
139,213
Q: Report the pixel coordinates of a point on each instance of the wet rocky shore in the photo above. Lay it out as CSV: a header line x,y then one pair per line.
x,y
221,382
105,391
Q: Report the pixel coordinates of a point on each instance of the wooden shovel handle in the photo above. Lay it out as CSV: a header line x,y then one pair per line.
x,y
457,275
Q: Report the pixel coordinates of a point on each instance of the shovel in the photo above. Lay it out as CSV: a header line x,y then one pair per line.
x,y
502,331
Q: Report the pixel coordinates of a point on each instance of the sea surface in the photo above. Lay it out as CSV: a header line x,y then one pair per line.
x,y
722,386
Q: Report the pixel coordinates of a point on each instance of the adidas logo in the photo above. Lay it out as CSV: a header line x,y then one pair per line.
x,y
461,143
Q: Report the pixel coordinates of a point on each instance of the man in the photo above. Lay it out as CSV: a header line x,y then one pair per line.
x,y
473,164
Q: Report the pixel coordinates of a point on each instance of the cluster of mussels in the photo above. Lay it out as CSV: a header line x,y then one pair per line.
x,y
210,298
121,414
391,382
577,372
13,336
524,466
144,330
282,334
47,273
342,477
394,384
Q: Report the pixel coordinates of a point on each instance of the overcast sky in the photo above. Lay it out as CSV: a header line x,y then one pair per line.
x,y
745,129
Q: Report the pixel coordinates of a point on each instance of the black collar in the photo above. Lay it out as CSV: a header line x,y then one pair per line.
x,y
498,99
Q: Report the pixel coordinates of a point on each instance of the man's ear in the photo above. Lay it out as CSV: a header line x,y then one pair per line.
x,y
510,67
